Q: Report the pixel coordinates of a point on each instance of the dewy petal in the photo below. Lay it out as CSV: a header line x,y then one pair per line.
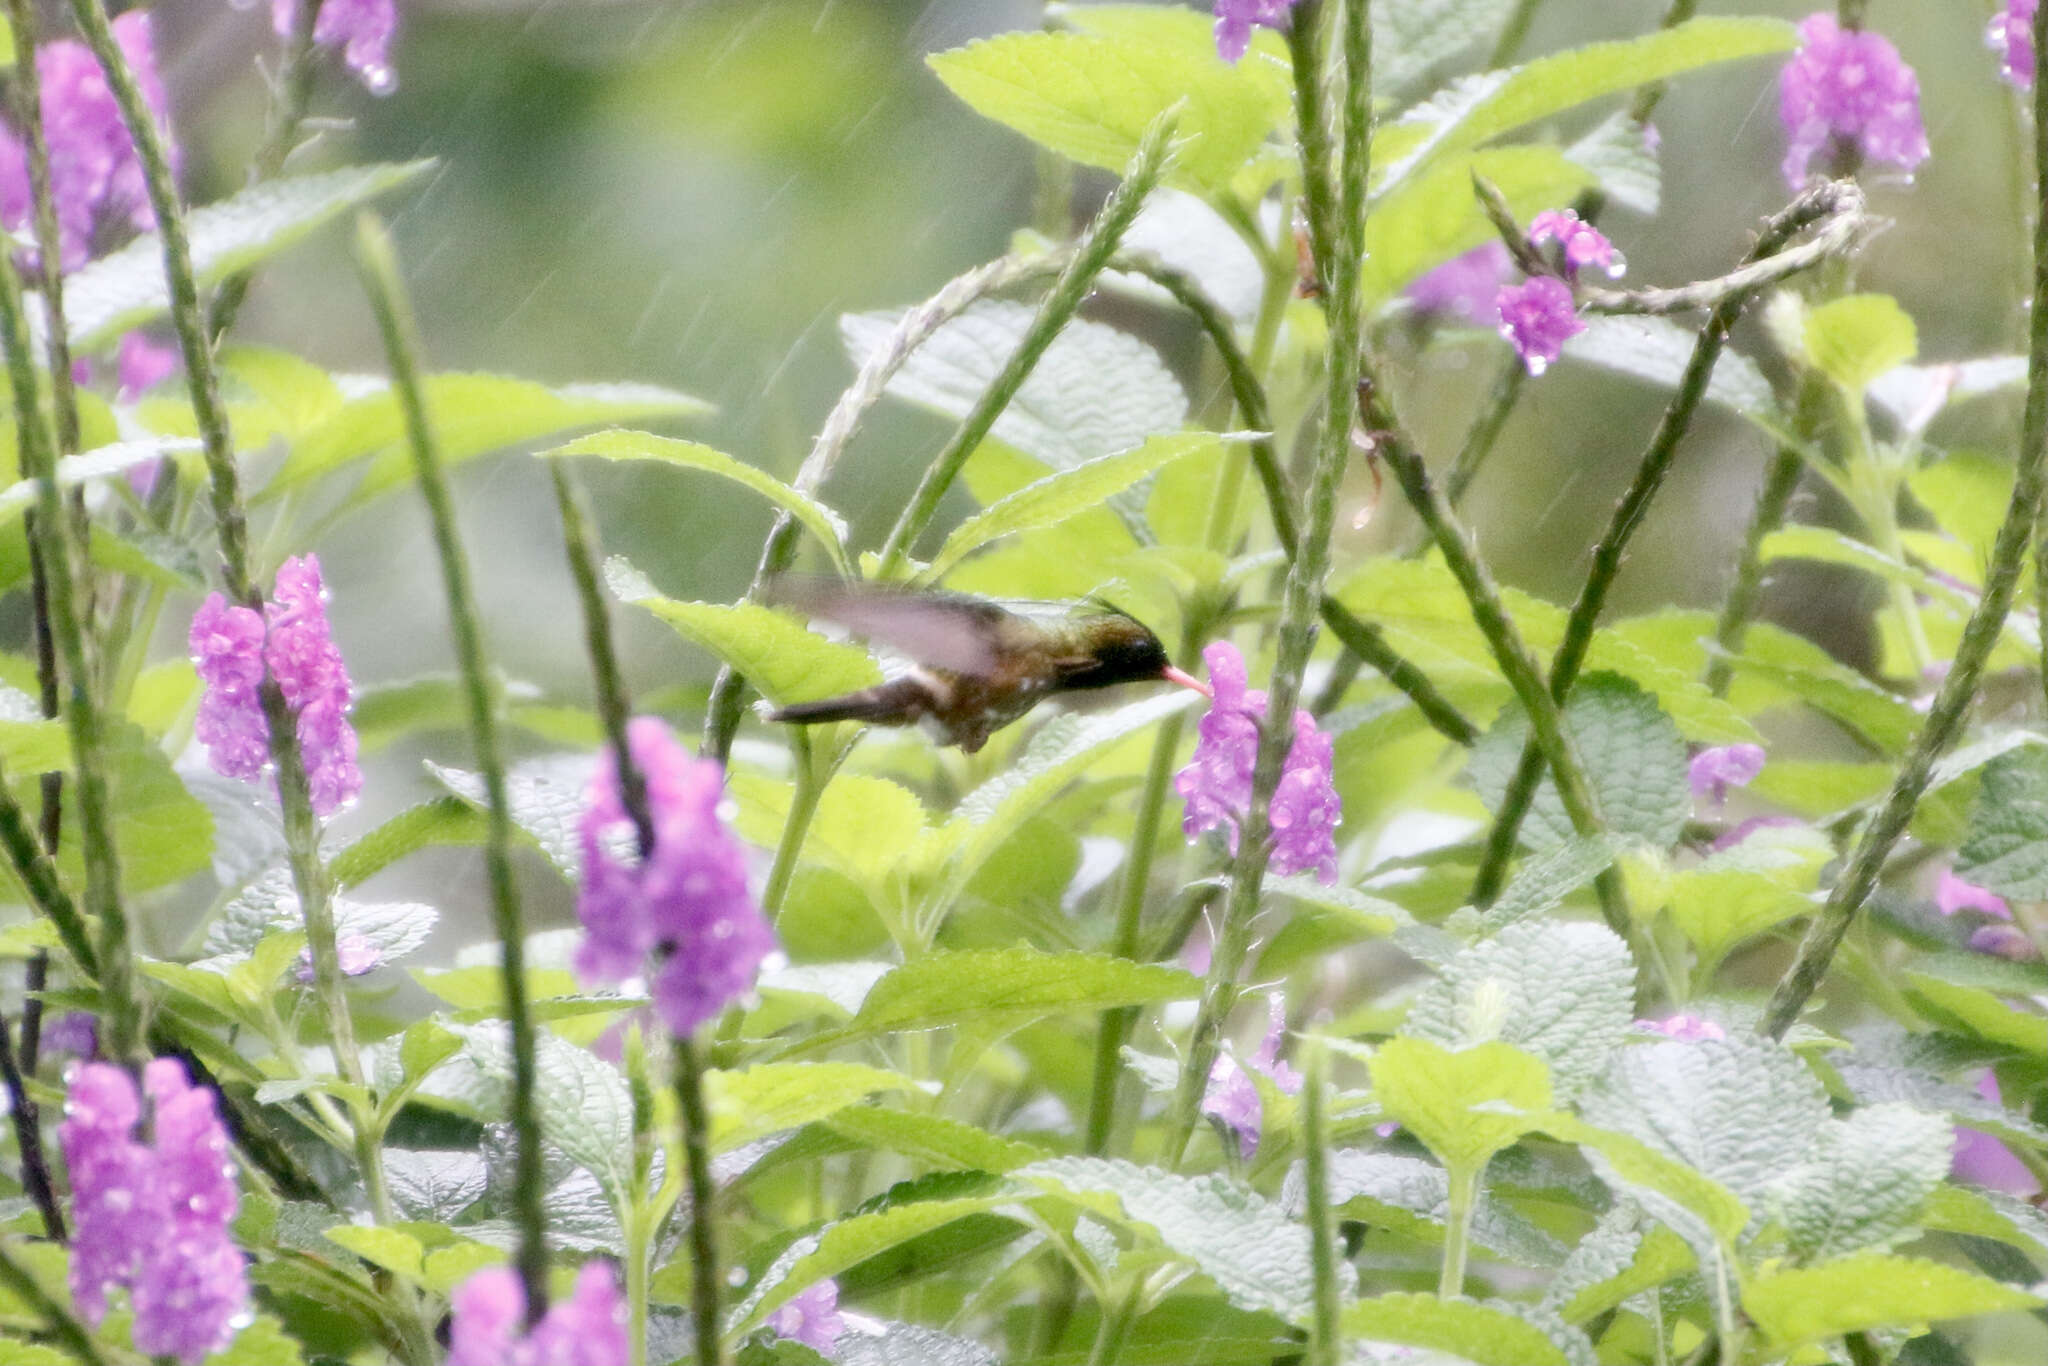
x,y
1581,243
1232,1097
362,29
1852,85
2011,36
1713,771
1464,286
811,1318
1235,20
1537,317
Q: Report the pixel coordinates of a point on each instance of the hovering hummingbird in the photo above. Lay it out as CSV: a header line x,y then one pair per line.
x,y
977,665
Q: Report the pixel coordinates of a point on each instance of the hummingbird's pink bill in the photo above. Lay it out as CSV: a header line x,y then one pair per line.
x,y
1187,680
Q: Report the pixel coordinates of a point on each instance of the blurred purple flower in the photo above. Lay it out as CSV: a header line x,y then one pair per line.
x,y
1580,242
1537,317
1952,894
2011,36
95,177
1728,839
230,648
154,1218
2001,940
75,1032
354,954
361,28
1848,84
812,1318
1982,1160
1465,286
143,363
1235,20
1233,1098
1217,783
587,1329
1713,771
686,902
1685,1028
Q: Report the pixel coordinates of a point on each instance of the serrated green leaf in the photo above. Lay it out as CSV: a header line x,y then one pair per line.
x,y
544,797
1622,1255
1562,992
933,1140
1068,492
125,288
770,1097
2007,850
1486,1334
1409,39
781,659
1870,1290
1090,97
1716,909
582,1101
864,827
389,1248
1622,156
1461,1103
1853,340
1976,1011
1864,1181
1094,392
1702,1210
822,522
1543,882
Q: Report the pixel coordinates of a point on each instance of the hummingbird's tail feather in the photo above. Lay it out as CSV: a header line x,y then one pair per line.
x,y
895,703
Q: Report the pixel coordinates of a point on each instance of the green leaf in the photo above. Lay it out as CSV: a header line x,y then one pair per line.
x,y
1094,392
1542,883
1563,992
270,395
388,1248
1090,97
1461,1103
1634,758
1700,1209
771,1097
1411,1196
1855,339
781,659
1718,908
263,1343
1870,1290
471,415
104,462
1976,1011
1256,1255
1409,39
444,820
1433,216
1485,1334
821,521
933,1140
544,797
1655,351
1865,1181
1968,493
582,1102
1622,1255
1068,492
163,832
1620,153
271,904
864,827
2007,850
125,288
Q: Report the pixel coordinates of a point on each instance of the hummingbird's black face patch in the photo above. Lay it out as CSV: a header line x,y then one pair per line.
x,y
1131,655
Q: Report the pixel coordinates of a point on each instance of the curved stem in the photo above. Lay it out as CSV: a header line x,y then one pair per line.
x,y
1945,717
401,347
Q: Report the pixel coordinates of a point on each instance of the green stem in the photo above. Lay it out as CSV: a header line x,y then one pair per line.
x,y
1485,430
37,871
1326,1345
26,1117
28,113
1065,299
803,806
1336,200
704,1284
1458,1230
62,1324
640,1218
1512,33
401,347
1841,202
1781,481
1945,718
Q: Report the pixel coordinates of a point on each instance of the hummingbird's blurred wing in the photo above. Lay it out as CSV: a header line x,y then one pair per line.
x,y
951,631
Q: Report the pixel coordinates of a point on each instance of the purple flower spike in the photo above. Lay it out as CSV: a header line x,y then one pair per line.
x,y
1537,317
686,903
1952,894
1235,20
362,29
1713,771
1464,286
154,1218
1581,243
1852,85
1217,783
95,177
1684,1028
2011,36
812,1318
1232,1097
231,645
587,1329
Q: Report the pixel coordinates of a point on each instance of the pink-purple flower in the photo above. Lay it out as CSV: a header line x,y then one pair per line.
x,y
684,904
362,29
1217,783
587,1329
1713,771
1233,1098
1952,894
153,1218
232,645
1235,20
1852,85
1578,242
1464,286
812,1318
95,176
1983,1160
1537,317
141,364
1684,1027
2011,36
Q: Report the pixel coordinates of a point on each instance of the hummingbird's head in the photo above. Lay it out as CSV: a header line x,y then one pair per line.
x,y
1120,650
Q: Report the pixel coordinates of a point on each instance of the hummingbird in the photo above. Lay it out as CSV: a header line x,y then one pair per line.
x,y
976,664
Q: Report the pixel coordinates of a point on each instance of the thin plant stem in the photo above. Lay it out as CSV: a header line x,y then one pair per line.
x,y
1738,609
119,995
37,871
807,788
1068,292
704,1284
1980,634
1464,1195
1325,1342
639,1219
28,1139
62,1324
379,265
1513,33
1336,209
1840,202
28,115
